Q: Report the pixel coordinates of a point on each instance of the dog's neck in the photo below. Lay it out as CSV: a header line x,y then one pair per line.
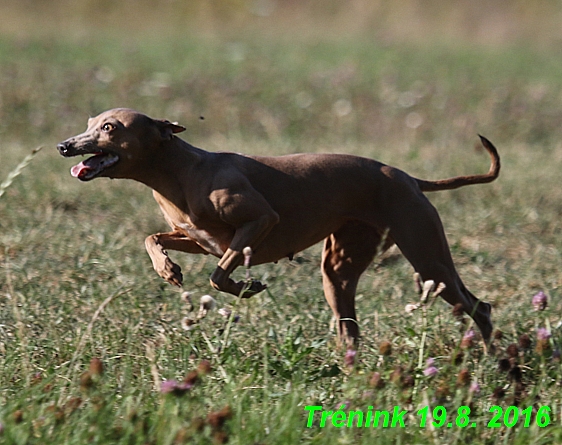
x,y
174,159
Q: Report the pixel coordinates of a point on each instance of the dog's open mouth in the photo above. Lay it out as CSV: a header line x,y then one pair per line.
x,y
92,167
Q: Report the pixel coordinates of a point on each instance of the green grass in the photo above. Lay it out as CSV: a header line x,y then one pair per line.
x,y
76,283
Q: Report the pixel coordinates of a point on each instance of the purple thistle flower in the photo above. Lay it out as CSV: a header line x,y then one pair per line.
x,y
344,405
539,301
168,386
431,369
349,358
184,386
474,387
467,339
543,334
175,387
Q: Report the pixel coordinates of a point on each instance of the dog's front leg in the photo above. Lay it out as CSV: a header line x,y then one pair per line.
x,y
220,278
241,206
249,235
157,246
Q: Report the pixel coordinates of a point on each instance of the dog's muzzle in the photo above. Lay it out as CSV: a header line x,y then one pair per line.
x,y
91,167
64,148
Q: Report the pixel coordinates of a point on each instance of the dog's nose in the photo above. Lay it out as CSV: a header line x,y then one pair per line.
x,y
63,148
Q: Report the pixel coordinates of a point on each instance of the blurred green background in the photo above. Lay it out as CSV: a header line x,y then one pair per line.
x,y
329,71
408,82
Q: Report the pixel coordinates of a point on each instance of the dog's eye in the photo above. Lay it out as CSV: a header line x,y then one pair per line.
x,y
107,127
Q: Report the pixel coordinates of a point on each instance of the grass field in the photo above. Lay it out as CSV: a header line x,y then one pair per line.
x,y
92,340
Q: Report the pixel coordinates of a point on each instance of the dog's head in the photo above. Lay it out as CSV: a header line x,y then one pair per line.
x,y
119,140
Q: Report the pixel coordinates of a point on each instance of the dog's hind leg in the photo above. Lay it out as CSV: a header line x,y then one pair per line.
x,y
347,253
420,236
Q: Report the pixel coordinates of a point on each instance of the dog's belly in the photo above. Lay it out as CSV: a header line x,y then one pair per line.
x,y
274,247
286,240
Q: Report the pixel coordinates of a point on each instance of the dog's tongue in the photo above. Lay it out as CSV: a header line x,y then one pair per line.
x,y
79,170
85,166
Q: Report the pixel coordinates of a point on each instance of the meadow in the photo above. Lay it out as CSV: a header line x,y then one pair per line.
x,y
95,347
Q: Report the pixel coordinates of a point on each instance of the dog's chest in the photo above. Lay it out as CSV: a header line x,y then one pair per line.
x,y
202,237
212,239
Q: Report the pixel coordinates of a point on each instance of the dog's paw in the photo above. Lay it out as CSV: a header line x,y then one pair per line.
x,y
251,288
171,272
242,289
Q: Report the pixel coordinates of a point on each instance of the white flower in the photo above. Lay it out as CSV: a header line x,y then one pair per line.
x,y
428,286
224,312
247,252
207,303
187,324
411,308
186,298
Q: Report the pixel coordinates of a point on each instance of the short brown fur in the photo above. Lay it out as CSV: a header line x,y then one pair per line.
x,y
220,203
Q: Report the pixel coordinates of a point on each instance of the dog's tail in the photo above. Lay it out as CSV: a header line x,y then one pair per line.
x,y
461,181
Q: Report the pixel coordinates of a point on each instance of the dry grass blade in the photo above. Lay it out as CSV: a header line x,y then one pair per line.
x,y
84,338
17,171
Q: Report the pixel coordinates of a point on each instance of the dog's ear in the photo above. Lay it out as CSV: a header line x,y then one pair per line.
x,y
167,128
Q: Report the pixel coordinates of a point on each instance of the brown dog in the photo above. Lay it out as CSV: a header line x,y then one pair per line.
x,y
220,203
